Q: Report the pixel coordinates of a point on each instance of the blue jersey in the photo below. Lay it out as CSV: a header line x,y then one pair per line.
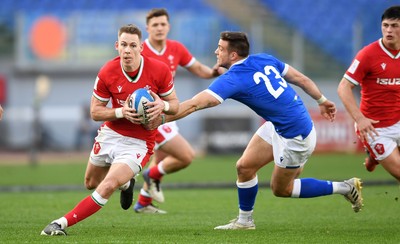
x,y
258,82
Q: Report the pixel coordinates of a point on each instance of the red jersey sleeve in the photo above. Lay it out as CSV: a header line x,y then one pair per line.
x,y
186,58
358,68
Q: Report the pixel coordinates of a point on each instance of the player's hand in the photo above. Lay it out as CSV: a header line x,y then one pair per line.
x,y
130,113
328,110
218,70
153,124
155,108
366,128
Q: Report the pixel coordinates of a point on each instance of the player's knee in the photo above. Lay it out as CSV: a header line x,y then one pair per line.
x,y
89,184
109,185
187,157
243,170
396,174
279,191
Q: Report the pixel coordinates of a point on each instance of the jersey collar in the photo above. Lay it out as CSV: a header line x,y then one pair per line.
x,y
155,50
139,73
240,61
387,51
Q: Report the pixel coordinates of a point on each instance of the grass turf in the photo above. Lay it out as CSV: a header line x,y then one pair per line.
x,y
192,213
209,169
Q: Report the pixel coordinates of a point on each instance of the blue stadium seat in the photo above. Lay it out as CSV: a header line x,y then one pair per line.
x,y
329,24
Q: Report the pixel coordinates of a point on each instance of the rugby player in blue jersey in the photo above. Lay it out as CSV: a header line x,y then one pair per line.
x,y
262,82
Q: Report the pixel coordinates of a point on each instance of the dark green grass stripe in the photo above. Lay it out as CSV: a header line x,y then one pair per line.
x,y
220,185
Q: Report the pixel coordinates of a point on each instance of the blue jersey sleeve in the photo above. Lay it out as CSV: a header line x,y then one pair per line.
x,y
224,87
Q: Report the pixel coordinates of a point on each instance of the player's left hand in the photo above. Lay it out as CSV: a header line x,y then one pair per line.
x,y
155,108
154,123
328,110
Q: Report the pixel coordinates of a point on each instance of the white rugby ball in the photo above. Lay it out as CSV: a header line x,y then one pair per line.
x,y
138,101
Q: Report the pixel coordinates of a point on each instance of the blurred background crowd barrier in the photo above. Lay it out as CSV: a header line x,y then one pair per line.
x,y
51,51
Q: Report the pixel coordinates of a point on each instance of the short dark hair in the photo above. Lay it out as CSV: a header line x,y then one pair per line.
x,y
131,29
391,13
156,12
237,42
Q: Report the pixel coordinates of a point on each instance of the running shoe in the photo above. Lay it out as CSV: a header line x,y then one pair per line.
x,y
149,209
154,187
126,197
354,196
235,225
53,229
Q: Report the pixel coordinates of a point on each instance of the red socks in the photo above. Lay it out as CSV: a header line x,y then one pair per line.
x,y
154,173
144,201
82,210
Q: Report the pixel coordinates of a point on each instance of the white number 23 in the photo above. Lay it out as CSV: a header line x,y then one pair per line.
x,y
259,76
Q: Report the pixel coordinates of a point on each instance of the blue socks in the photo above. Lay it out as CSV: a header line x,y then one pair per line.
x,y
247,192
310,187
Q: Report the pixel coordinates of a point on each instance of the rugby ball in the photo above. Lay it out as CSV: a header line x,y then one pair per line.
x,y
138,101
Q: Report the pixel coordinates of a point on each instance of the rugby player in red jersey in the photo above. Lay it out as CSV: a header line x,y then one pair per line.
x,y
376,70
123,146
173,152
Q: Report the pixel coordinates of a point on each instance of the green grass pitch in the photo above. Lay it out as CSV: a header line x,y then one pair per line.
x,y
192,213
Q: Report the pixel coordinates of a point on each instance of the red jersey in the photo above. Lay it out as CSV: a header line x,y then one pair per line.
x,y
174,54
113,83
377,70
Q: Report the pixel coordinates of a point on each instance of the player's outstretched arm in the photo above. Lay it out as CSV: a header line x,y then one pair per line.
x,y
205,72
327,107
200,101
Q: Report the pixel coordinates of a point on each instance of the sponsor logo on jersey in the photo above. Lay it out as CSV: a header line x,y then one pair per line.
x,y
388,81
119,88
383,65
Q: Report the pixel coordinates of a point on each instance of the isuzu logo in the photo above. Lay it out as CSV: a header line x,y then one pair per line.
x,y
388,81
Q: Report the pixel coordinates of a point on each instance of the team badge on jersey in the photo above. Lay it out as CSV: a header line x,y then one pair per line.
x,y
379,148
96,147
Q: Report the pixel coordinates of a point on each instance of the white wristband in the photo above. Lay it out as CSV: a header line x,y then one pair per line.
x,y
118,113
166,106
322,100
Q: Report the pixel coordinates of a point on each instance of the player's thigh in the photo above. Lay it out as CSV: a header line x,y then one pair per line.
x,y
257,154
94,175
282,180
119,174
178,147
392,163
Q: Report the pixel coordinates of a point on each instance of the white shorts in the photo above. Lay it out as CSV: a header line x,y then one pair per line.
x,y
288,153
385,143
110,147
165,133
